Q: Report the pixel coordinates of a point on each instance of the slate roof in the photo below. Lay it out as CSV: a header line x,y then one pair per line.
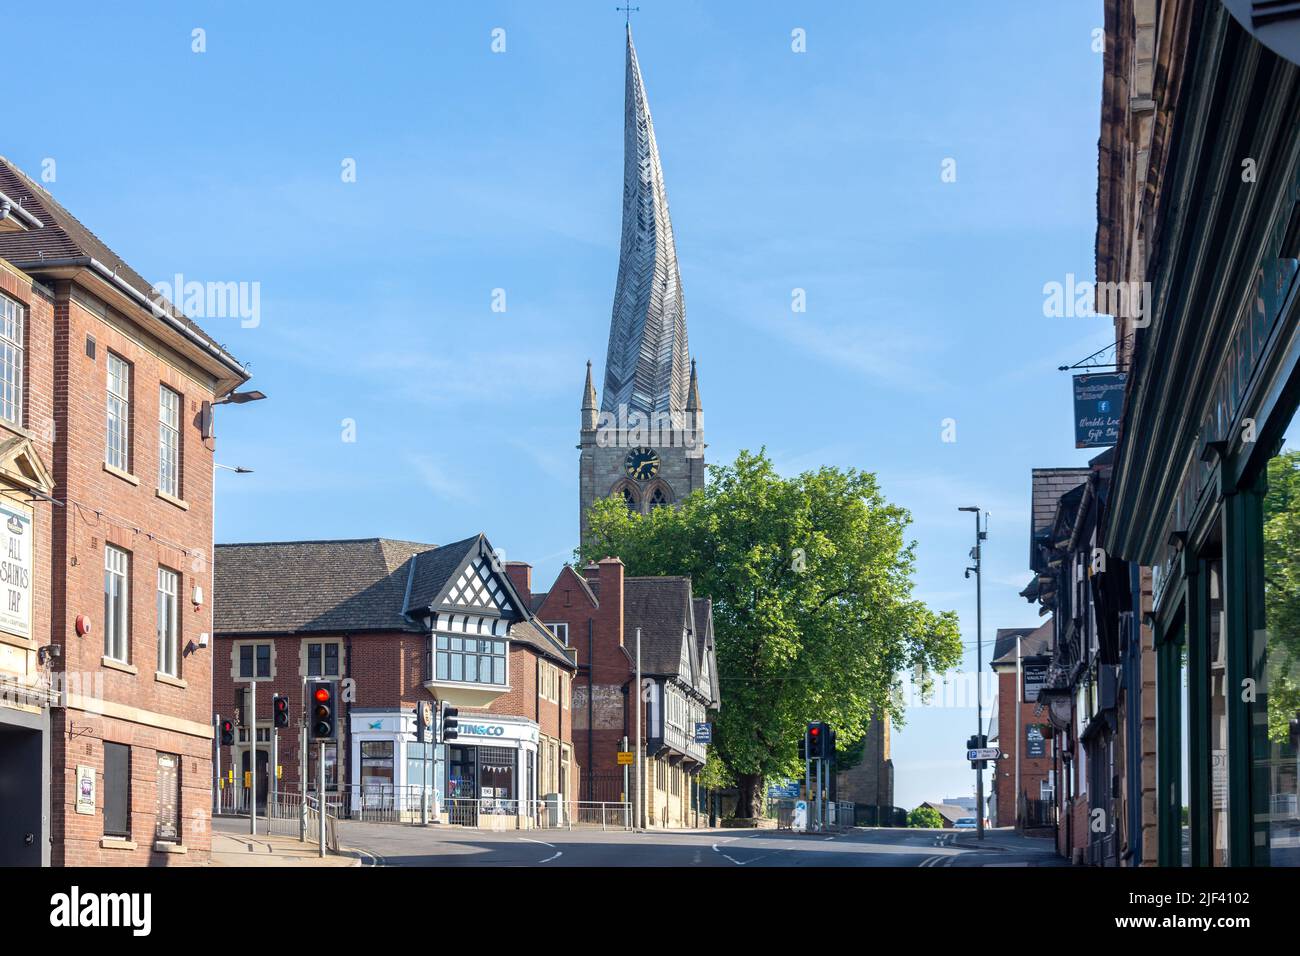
x,y
661,607
432,569
351,585
292,586
1005,640
1034,641
63,236
1047,485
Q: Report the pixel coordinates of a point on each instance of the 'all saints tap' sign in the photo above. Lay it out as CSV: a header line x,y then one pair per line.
x,y
15,571
1098,401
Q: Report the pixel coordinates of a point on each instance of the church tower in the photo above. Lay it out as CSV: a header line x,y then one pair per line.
x,y
645,441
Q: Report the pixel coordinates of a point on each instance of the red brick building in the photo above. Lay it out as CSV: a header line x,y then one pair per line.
x,y
598,613
1027,767
394,623
106,397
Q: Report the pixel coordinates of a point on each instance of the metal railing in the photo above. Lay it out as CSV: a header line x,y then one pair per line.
x,y
495,813
284,810
839,813
311,810
285,813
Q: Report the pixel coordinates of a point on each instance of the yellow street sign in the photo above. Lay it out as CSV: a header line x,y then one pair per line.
x,y
626,758
279,771
248,779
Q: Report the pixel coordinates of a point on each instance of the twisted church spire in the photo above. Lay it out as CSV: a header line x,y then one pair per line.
x,y
648,366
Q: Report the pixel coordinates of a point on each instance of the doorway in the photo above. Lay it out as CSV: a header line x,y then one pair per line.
x,y
23,836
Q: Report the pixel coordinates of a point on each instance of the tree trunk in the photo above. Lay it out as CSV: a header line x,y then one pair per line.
x,y
749,795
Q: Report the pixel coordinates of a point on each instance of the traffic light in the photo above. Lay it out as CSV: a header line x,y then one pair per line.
x,y
227,732
448,724
320,699
280,709
816,740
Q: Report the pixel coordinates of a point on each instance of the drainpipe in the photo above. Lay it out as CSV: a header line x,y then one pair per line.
x,y
591,690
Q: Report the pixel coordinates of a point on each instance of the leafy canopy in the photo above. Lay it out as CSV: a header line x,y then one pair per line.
x,y
1282,591
811,581
927,817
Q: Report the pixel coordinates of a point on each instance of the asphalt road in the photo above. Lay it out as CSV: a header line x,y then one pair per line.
x,y
392,845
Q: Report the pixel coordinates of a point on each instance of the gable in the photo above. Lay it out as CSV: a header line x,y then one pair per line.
x,y
684,664
22,466
479,588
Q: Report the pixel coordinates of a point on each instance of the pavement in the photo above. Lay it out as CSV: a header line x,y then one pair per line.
x,y
396,845
232,845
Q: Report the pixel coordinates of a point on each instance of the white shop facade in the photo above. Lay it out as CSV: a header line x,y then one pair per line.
x,y
486,777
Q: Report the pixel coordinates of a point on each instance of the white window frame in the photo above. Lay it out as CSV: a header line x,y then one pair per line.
x,y
169,441
117,606
452,653
561,631
12,324
169,585
117,446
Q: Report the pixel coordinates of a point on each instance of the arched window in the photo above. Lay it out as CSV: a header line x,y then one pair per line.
x,y
629,499
658,499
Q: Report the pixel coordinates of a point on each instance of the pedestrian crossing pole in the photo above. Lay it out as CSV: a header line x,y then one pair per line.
x,y
251,721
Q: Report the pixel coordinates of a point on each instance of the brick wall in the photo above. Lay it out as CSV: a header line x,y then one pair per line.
x,y
388,672
148,711
1033,771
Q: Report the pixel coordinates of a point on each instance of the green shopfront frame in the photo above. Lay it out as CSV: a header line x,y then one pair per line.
x,y
1217,384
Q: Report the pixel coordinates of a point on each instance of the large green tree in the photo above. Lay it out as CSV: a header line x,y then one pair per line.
x,y
814,618
1282,591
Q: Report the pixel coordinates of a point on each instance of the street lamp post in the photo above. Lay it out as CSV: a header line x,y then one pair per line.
x,y
976,554
233,398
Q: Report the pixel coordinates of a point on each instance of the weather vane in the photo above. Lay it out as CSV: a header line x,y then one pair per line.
x,y
628,9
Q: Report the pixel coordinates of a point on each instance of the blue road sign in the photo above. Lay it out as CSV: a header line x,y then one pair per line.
x,y
703,733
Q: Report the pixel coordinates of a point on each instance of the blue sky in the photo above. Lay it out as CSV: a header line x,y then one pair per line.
x,y
479,171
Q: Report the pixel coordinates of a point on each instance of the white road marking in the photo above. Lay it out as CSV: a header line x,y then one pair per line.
x,y
558,853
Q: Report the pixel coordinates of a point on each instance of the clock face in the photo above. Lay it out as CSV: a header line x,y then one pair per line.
x,y
641,464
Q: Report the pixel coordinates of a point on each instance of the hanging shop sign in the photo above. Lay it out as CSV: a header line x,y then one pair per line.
x,y
1035,741
1098,401
15,571
1274,24
1034,676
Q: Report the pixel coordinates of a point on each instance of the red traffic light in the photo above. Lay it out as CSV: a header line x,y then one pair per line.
x,y
322,694
227,726
815,731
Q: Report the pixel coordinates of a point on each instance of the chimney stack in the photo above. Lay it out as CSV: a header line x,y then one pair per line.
x,y
520,574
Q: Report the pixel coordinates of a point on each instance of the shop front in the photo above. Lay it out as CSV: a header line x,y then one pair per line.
x,y
1206,491
486,777
491,773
